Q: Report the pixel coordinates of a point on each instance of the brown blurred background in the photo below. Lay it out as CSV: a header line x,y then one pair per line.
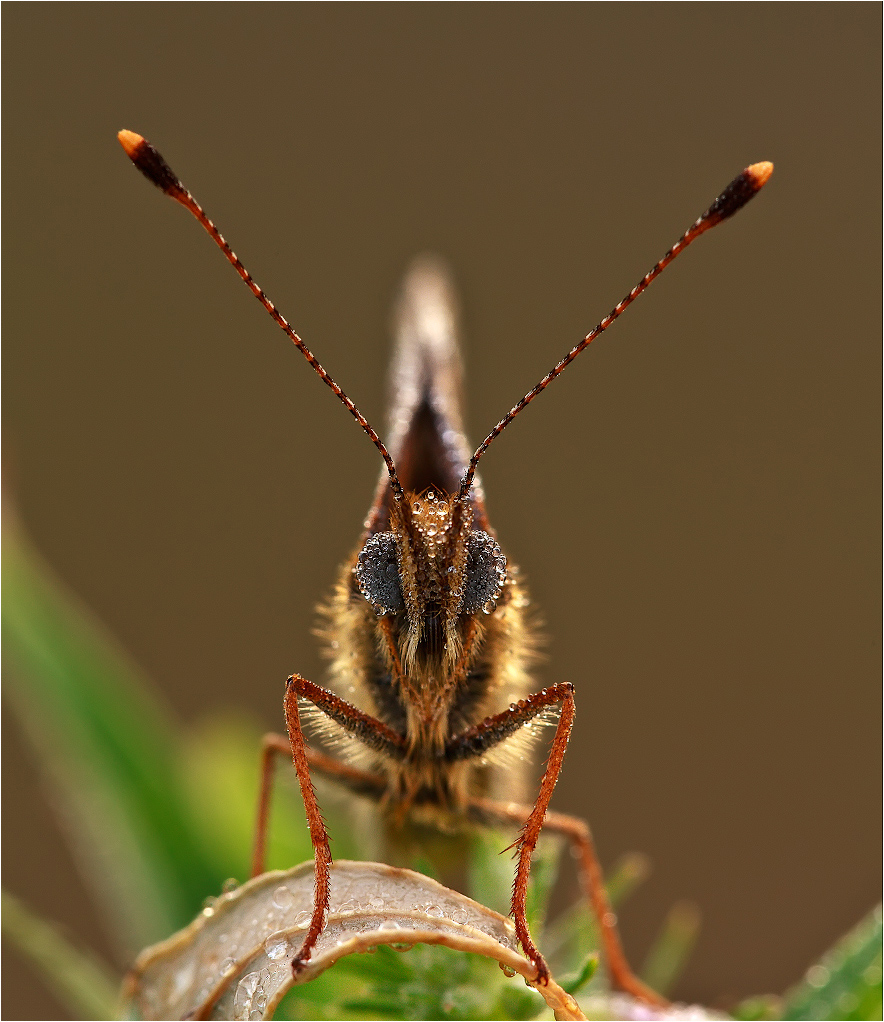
x,y
694,503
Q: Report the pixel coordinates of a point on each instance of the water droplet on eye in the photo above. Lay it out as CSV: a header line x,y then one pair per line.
x,y
489,607
283,898
506,970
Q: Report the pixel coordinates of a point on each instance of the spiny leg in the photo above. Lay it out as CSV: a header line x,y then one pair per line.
x,y
477,740
593,883
484,736
367,729
362,782
272,745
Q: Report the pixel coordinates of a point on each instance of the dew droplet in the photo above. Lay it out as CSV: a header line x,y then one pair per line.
x,y
276,946
431,495
376,903
434,912
489,607
242,999
416,507
506,970
431,530
283,898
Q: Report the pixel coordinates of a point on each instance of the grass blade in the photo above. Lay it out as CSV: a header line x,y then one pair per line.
x,y
108,751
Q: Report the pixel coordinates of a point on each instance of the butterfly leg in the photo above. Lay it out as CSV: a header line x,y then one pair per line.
x,y
592,881
484,736
477,740
362,782
360,725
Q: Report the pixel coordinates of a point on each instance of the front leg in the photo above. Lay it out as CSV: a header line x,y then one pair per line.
x,y
492,731
367,729
592,881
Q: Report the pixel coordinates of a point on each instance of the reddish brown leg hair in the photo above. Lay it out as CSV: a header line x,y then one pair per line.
x,y
593,884
272,745
496,729
370,731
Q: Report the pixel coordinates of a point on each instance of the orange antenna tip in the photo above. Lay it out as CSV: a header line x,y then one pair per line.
x,y
150,163
760,172
130,141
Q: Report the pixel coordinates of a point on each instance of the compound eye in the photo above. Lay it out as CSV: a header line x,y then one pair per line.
x,y
485,574
377,573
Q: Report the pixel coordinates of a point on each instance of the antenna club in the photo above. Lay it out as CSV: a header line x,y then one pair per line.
x,y
150,163
759,173
130,141
743,187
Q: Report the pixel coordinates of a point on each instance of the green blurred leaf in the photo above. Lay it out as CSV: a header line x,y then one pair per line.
x,y
573,934
108,750
763,1008
221,765
574,984
846,982
77,979
669,953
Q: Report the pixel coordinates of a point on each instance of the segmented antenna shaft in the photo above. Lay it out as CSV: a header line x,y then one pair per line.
x,y
733,198
148,160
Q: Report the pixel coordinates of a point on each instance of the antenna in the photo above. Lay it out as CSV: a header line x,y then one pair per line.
x,y
733,198
155,169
